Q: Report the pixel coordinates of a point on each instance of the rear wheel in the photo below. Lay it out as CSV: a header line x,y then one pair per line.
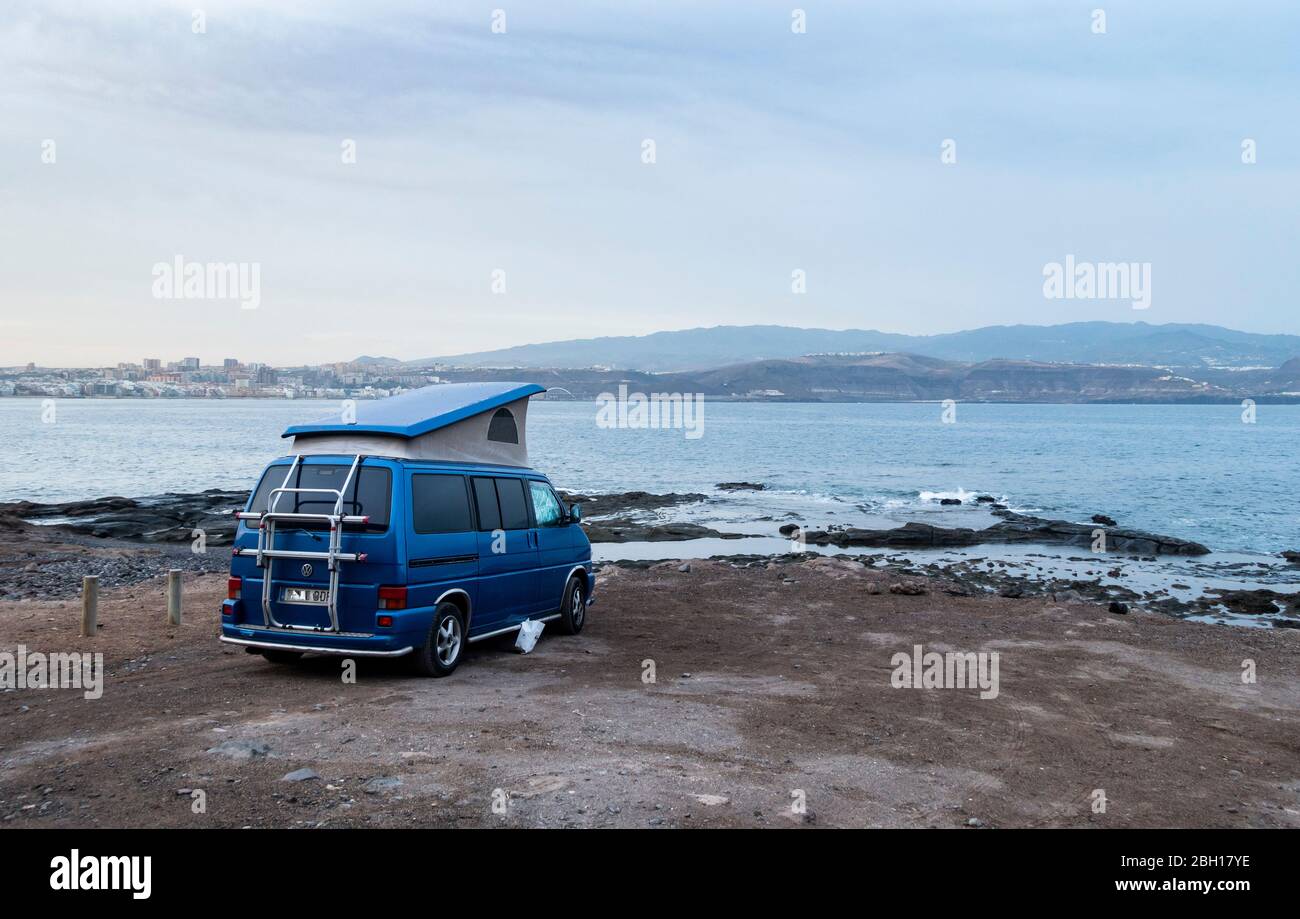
x,y
282,657
442,650
573,610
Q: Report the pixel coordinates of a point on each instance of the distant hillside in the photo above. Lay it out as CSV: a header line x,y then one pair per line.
x,y
904,377
909,377
1171,345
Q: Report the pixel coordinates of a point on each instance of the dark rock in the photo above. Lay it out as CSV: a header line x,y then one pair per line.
x,y
624,502
1104,520
1117,607
1250,602
741,486
1013,528
91,508
986,499
169,517
788,529
1292,557
623,530
950,501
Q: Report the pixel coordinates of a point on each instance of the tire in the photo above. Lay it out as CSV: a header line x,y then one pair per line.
x,y
445,646
573,609
281,657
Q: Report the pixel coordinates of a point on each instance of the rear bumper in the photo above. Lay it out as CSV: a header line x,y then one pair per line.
x,y
316,642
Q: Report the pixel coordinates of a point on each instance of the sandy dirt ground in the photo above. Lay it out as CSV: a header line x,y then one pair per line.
x,y
772,689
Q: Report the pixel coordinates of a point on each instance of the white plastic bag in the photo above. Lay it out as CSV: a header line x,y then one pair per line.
x,y
529,632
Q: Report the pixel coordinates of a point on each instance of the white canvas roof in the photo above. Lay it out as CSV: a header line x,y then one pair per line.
x,y
451,422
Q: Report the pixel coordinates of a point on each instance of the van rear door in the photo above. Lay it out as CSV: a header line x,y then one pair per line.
x,y
298,589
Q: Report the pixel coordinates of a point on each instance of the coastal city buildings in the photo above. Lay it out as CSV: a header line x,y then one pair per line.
x,y
189,377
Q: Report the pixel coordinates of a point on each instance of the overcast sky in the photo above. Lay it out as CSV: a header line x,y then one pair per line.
x,y
522,153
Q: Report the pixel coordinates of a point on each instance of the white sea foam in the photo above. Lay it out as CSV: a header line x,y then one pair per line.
x,y
961,494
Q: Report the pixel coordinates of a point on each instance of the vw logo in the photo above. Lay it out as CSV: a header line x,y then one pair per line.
x,y
306,570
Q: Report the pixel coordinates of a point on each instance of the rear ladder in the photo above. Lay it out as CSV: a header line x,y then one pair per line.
x,y
267,553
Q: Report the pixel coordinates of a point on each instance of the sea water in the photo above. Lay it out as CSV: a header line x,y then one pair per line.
x,y
1193,471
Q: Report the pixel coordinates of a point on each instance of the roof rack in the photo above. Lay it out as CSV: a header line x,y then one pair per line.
x,y
267,553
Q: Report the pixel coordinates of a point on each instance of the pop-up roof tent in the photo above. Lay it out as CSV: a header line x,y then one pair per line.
x,y
451,422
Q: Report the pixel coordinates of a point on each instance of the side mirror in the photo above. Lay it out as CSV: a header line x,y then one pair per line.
x,y
575,513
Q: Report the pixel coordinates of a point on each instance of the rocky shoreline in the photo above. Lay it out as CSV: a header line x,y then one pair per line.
x,y
169,517
986,576
45,549
609,518
622,517
1014,528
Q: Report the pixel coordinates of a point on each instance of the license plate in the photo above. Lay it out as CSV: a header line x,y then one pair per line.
x,y
309,595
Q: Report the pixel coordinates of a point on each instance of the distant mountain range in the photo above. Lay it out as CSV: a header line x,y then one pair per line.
x,y
908,378
1173,345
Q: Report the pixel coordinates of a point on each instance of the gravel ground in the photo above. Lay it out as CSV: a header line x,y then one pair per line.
x,y
771,705
39,562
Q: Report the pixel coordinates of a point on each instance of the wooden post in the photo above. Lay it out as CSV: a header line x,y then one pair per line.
x,y
174,596
89,605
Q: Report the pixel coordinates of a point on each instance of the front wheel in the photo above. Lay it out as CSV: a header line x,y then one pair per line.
x,y
573,611
441,652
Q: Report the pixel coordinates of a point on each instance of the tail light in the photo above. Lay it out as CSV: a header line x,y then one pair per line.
x,y
392,598
233,587
384,622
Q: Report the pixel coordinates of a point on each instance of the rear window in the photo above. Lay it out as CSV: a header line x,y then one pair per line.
x,y
369,494
439,504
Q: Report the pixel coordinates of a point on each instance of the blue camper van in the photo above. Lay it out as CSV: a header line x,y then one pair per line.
x,y
406,526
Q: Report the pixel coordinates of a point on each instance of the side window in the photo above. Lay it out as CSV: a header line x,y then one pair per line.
x,y
514,510
546,507
439,504
485,499
502,427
